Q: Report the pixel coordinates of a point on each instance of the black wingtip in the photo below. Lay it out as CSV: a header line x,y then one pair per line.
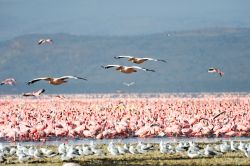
x,y
103,67
150,70
82,78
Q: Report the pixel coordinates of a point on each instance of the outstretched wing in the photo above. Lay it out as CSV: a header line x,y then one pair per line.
x,y
109,66
145,69
73,77
128,84
38,79
119,57
40,91
152,59
40,41
49,41
27,94
211,70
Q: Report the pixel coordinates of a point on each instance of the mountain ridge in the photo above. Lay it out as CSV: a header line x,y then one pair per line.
x,y
188,53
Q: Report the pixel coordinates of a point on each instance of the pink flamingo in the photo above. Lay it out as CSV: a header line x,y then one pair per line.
x,y
8,81
216,70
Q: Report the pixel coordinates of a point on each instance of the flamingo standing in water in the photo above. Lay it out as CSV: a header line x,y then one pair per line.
x,y
139,60
216,70
127,69
55,81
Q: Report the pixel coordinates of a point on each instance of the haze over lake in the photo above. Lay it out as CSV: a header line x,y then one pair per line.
x,y
118,17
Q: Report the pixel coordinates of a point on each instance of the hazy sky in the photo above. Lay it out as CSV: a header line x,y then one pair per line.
x,y
118,17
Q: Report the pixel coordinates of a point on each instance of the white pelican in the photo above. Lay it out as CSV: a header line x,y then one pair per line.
x,y
55,81
36,93
216,70
8,81
44,41
127,69
138,60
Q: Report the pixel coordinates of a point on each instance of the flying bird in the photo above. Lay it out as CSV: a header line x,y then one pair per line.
x,y
127,69
216,70
8,81
36,93
139,60
128,84
44,41
55,81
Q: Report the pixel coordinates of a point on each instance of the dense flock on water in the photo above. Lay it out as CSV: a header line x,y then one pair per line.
x,y
23,119
68,152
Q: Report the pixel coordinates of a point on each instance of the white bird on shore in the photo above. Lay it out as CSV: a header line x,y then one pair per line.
x,y
38,154
121,150
181,147
71,164
12,151
234,146
247,153
32,151
193,153
209,152
225,147
23,157
62,148
242,146
126,148
86,150
132,149
112,149
48,152
65,157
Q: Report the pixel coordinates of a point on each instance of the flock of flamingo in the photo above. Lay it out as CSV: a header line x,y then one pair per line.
x,y
23,119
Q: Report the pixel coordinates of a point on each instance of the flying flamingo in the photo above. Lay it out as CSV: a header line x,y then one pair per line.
x,y
44,41
36,94
127,69
216,70
55,81
8,81
139,60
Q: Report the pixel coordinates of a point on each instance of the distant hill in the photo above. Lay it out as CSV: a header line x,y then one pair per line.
x,y
189,54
